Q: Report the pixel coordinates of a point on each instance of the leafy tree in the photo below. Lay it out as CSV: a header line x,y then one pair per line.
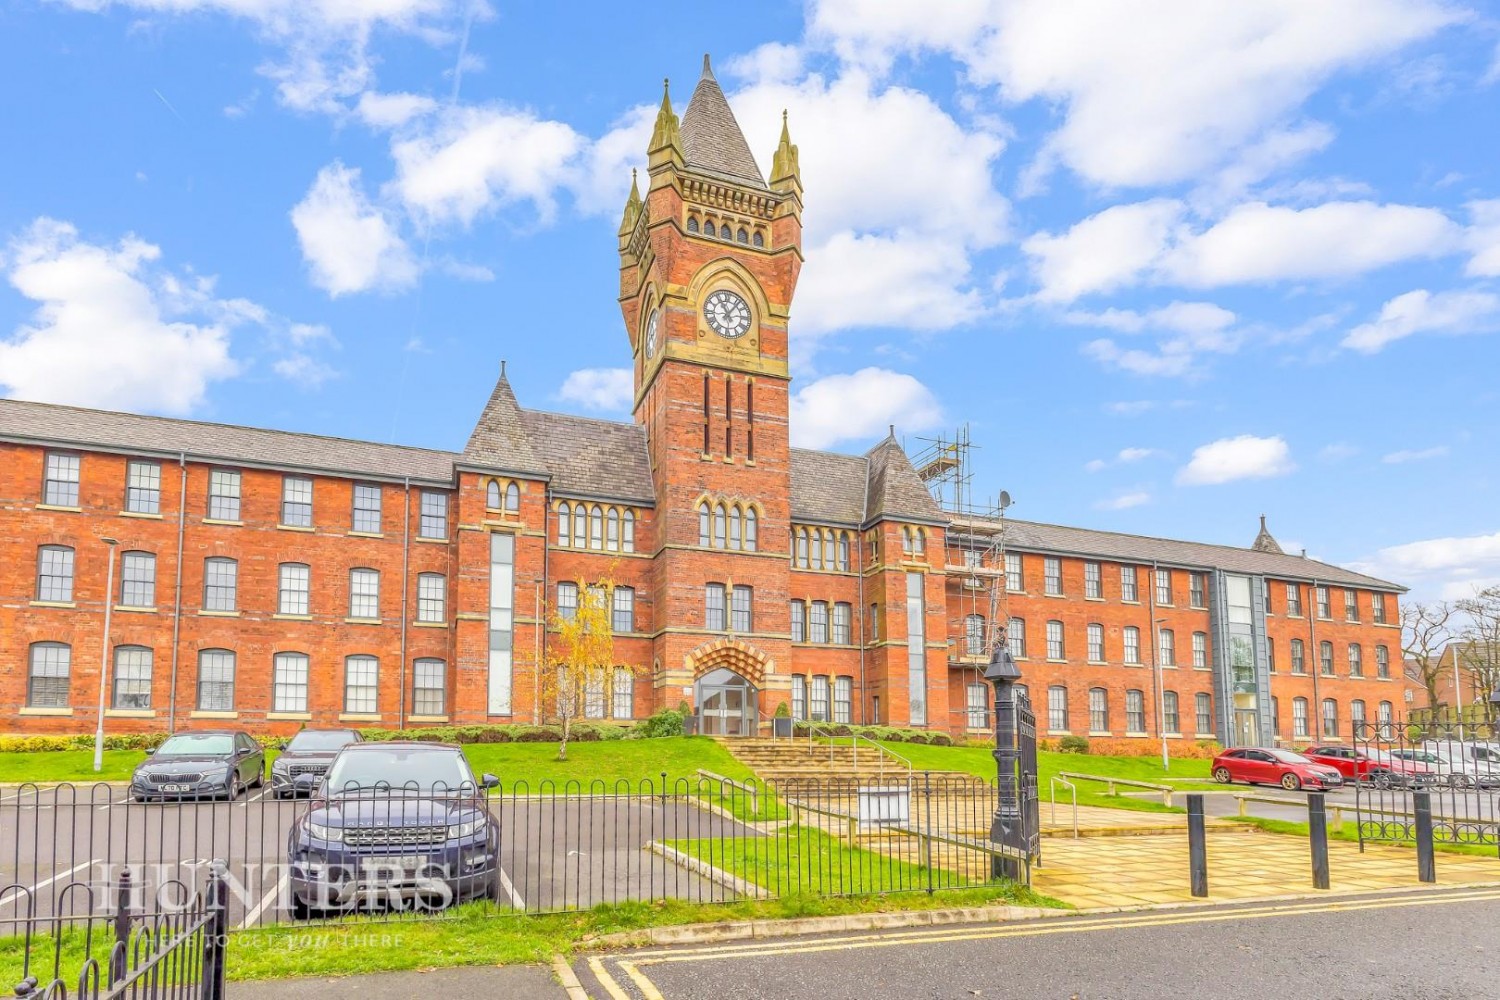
x,y
1424,633
1478,648
581,665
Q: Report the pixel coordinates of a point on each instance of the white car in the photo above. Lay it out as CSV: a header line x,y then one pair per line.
x,y
1466,764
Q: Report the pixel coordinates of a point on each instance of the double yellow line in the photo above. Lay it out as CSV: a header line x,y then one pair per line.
x,y
631,966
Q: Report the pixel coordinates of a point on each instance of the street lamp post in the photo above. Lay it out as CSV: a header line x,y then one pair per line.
x,y
109,600
1161,695
1006,827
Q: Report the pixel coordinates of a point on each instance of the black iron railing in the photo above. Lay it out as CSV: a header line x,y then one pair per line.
x,y
1458,771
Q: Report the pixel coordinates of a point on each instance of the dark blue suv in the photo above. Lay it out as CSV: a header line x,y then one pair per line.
x,y
395,825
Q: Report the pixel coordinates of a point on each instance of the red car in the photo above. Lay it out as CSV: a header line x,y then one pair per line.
x,y
1274,766
1374,766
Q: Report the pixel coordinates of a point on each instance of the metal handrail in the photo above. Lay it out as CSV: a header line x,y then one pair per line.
x,y
1052,790
814,729
1165,790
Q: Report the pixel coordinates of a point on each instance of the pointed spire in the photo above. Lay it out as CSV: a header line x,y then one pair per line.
x,y
632,207
500,439
785,170
1263,541
711,137
667,134
708,70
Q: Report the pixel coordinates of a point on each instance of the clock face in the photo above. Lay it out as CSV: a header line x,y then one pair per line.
x,y
651,332
727,314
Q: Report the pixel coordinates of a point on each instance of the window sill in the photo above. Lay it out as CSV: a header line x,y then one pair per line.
x,y
361,717
54,506
441,541
143,515
213,715
54,712
292,618
1057,597
54,604
288,716
1207,669
1051,660
304,528
129,713
1173,733
1059,732
1097,663
1097,600
1100,732
363,621
140,609
365,534
1135,603
217,520
219,614
1137,736
1214,736
429,624
426,718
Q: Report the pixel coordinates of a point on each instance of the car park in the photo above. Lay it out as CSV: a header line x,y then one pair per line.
x,y
1274,766
207,764
305,758
1376,767
1469,763
394,824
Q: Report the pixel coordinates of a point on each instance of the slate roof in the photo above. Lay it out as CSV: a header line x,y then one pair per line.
x,y
711,137
50,423
1034,536
500,438
828,487
589,457
895,490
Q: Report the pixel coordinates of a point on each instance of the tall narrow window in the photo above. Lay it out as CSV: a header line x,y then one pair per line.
x,y
296,501
216,680
842,628
567,601
580,526
138,580
713,607
1200,650
1171,717
622,613
1096,642
1132,642
705,524
1098,710
977,701
1299,657
1055,649
799,696
1294,600
818,627
1015,636
492,498
1198,590
1052,575
728,414
1382,662
1377,608
1357,719
512,498
1324,610
1325,658
819,698
289,683
220,584
720,526
1299,718
361,691
843,690
1330,718
799,621
1356,660
596,527
1203,702
843,552
364,593
132,681
1351,604
367,508
564,523
143,487
293,587
627,532
1093,581
1015,580
612,530
1129,587
1057,708
916,648
1167,647
432,597
54,574
1164,586
47,683
433,521
623,694
429,694
502,638
750,417
224,495
734,527
706,414
1135,711
974,635
60,482
751,529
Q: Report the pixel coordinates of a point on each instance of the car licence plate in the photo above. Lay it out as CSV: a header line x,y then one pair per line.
x,y
177,788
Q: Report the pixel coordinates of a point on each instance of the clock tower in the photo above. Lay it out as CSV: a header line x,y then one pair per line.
x,y
709,259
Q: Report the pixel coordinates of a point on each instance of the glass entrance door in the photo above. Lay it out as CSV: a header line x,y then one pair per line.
x,y
1246,727
726,704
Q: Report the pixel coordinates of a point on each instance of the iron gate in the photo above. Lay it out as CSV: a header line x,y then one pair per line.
x,y
1458,766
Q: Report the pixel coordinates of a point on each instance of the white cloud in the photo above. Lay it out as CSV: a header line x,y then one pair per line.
x,y
1483,239
1448,568
1231,459
1124,501
867,280
1125,456
111,329
383,111
349,244
1414,455
601,178
599,388
1106,251
861,405
1337,451
1137,407
1421,311
303,370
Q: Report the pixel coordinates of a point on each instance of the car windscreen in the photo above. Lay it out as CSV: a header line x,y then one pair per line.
x,y
400,769
313,740
189,745
1288,757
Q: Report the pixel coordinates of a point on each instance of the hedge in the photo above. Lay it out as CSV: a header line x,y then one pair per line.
x,y
582,733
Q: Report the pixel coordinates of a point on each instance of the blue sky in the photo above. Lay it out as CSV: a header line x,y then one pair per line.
x,y
1176,263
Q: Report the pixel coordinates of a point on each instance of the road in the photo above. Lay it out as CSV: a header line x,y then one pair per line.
x,y
1481,806
1411,945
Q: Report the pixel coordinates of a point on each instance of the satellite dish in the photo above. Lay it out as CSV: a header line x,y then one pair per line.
x,y
1004,499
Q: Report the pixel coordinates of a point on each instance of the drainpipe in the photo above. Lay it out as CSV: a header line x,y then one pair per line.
x,y
1156,681
177,593
539,629
405,598
864,621
1316,708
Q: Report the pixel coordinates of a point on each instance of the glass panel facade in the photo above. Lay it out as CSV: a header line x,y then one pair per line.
x,y
502,619
916,648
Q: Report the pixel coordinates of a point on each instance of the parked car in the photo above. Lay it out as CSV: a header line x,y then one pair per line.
x,y
200,765
1468,762
305,759
1376,767
1274,766
391,824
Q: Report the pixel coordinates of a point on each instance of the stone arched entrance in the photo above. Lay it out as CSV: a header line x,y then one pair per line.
x,y
727,675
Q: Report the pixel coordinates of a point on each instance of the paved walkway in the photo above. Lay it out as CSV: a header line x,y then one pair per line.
x,y
1100,821
513,982
1128,871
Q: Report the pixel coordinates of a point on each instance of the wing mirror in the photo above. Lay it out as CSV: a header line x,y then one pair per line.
x,y
489,781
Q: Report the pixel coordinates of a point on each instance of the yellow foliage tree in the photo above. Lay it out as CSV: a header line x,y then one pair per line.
x,y
581,659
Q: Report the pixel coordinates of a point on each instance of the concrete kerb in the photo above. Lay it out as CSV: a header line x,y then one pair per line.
x,y
567,979
714,874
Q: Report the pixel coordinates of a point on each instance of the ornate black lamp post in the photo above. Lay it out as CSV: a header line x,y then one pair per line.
x,y
1006,829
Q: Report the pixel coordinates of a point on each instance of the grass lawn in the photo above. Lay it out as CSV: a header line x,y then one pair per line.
x,y
1349,831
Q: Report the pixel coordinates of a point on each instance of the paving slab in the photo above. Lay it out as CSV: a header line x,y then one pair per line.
x,y
513,982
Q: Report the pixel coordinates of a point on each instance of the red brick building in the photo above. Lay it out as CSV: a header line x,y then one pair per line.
x,y
269,579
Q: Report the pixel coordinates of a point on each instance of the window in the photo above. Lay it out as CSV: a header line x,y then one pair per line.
x,y
1356,660
296,501
741,609
1323,608
1198,590
1200,650
842,614
1294,600
215,680
1299,657
978,704
1096,643
220,584
916,649
724,232
757,239
512,498
500,668
564,523
720,522
60,483
692,225
433,522
974,635
364,593
819,698
1357,718
1093,582
1052,575
1166,647
1054,640
1015,580
818,622
593,697
843,546
1299,718
1171,719
143,487
1382,662
713,607
132,680
361,693
1325,657
289,683
612,530
1057,708
492,499
1135,711
47,682
54,574
627,531
428,694
1164,586
1098,710
1330,717
367,508
799,621
293,587
1385,718
623,699
1377,608
1266,589
800,555
1351,605
1275,716
567,601
138,580
742,237
622,611
1015,635
596,528
843,695
919,542
223,495
872,624
799,696
1204,709
1129,591
432,598
1132,636
1270,654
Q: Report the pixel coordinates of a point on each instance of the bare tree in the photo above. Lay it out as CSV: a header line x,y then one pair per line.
x,y
1425,631
1479,641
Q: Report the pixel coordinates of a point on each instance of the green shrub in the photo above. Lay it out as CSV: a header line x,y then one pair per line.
x,y
1073,744
667,722
940,739
783,711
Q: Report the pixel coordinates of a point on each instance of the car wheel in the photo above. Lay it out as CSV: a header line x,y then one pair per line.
x,y
260,780
1290,782
137,797
300,910
1381,779
235,788
1221,775
1460,781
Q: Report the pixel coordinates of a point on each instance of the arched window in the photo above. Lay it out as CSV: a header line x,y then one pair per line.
x,y
492,495
596,528
705,536
692,224
758,240
919,542
1098,710
564,516
843,563
726,232
719,526
612,531
734,527
628,532
742,236
828,550
750,530
580,526
513,499
815,544
802,547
